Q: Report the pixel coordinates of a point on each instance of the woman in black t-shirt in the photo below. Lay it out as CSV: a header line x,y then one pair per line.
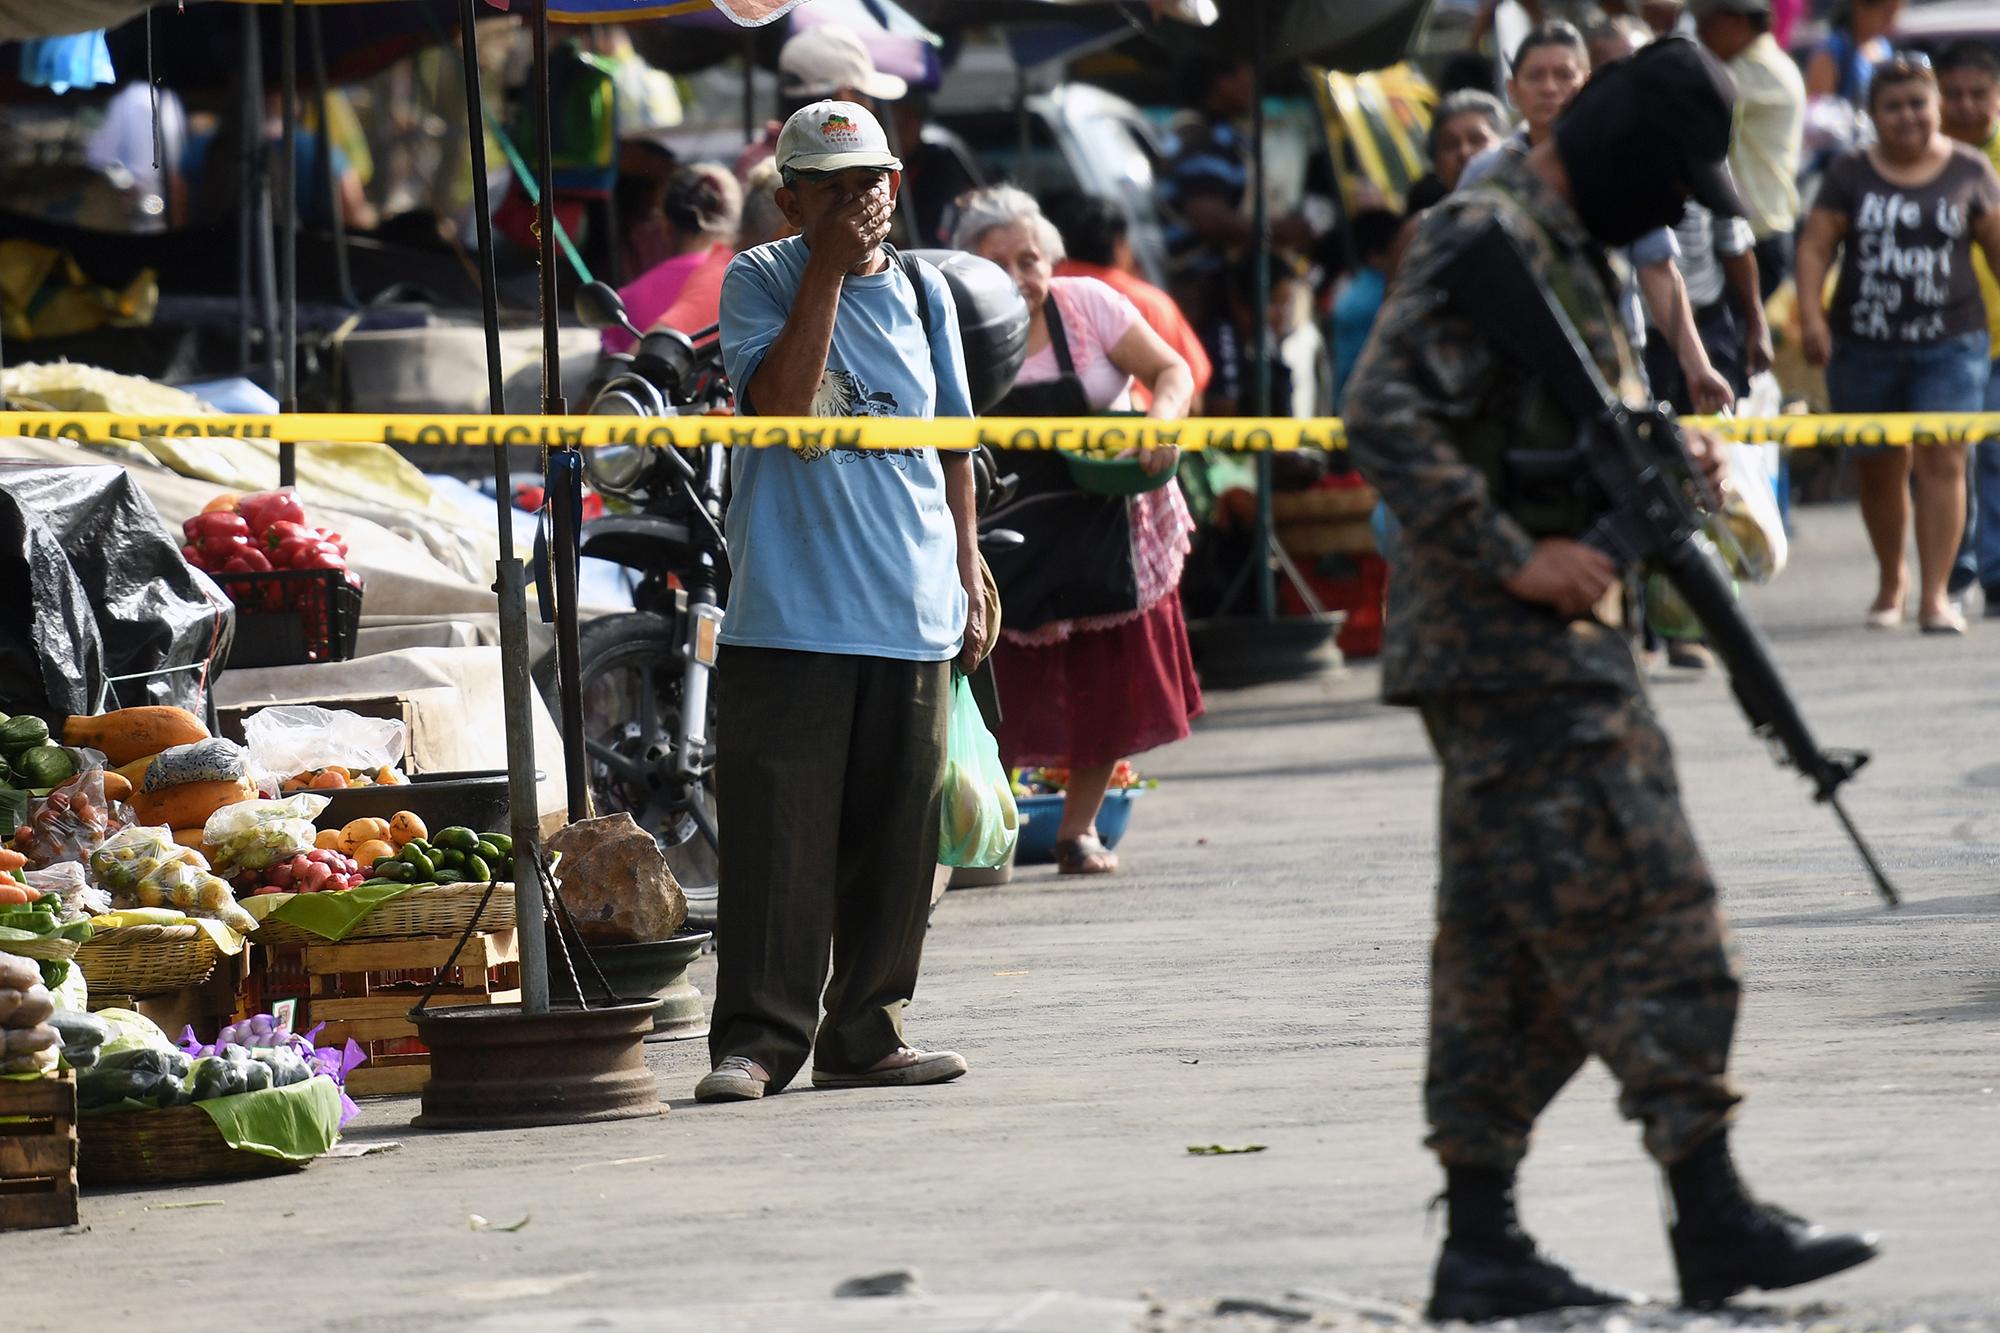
x,y
1907,330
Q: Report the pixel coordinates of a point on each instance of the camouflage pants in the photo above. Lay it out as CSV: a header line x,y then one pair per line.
x,y
1575,918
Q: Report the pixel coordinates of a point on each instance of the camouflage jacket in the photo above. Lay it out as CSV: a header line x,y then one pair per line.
x,y
1424,384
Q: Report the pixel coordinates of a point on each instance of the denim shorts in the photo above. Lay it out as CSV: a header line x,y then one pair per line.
x,y
1946,376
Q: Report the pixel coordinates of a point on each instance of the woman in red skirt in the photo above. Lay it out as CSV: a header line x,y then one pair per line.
x,y
1093,662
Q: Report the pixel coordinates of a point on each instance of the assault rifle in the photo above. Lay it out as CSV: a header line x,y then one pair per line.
x,y
1632,469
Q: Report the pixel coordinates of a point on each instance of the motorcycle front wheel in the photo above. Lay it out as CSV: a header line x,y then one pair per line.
x,y
633,672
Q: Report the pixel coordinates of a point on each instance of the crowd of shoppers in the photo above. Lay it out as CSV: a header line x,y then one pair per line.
x,y
795,253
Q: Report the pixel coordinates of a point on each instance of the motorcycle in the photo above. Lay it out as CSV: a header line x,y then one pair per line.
x,y
648,674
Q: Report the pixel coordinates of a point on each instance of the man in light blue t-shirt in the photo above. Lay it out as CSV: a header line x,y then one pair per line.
x,y
854,586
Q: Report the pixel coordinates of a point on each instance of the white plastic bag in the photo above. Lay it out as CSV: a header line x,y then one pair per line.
x,y
288,739
255,835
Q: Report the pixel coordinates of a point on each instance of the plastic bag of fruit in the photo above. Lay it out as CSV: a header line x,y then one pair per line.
x,y
291,739
145,867
70,822
252,836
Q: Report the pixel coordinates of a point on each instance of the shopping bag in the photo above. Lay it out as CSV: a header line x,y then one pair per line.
x,y
978,822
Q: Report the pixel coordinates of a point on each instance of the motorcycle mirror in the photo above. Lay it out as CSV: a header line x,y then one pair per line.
x,y
600,308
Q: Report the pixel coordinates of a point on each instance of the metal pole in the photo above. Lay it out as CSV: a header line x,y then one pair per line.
x,y
329,182
545,169
562,553
288,229
1267,582
247,102
749,87
517,699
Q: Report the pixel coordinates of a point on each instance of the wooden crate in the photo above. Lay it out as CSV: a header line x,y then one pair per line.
x,y
363,991
38,1152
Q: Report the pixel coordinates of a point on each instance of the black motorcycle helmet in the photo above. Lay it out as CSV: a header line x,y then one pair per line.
x,y
992,322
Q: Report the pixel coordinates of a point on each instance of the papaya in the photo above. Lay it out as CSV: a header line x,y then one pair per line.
x,y
127,734
190,804
117,787
135,772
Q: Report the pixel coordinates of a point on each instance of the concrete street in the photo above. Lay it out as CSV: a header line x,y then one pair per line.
x,y
1255,976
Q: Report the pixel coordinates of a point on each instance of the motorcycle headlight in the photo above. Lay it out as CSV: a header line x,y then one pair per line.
x,y
615,467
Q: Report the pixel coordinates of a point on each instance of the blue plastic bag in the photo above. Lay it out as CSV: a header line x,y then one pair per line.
x,y
59,64
978,823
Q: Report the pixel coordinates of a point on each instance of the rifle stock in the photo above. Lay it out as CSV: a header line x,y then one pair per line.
x,y
1634,470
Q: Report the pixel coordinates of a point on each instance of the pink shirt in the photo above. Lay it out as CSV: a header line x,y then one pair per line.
x,y
1095,316
648,296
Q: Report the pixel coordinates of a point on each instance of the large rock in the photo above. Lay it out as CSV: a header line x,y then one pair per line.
x,y
616,882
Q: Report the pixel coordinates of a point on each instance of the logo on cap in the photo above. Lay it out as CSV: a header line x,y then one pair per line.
x,y
839,130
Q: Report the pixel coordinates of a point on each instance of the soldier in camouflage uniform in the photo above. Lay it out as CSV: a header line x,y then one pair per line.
x,y
1576,916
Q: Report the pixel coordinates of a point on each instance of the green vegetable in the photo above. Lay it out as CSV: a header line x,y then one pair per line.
x,y
22,733
451,859
486,851
45,765
13,810
501,843
422,866
380,880
450,877
458,838
393,870
476,870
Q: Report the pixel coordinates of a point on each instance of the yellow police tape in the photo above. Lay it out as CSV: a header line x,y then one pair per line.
x,y
1110,434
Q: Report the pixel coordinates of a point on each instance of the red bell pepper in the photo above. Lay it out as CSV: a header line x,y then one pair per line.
x,y
249,560
224,547
284,530
219,524
294,553
331,538
192,554
322,557
267,507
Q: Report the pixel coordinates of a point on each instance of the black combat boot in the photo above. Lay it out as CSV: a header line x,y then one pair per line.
x,y
1726,1242
1490,1268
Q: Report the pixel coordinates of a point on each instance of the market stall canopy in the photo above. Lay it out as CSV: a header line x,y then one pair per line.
x,y
197,50
688,37
24,20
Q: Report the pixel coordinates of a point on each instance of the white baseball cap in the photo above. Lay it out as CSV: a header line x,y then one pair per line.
x,y
827,58
833,136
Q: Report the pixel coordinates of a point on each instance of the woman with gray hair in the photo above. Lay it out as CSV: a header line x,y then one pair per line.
x,y
1093,662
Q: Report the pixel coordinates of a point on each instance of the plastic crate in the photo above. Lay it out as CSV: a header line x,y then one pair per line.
x,y
289,617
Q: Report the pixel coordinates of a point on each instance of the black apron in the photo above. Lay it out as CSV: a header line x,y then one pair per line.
x,y
1077,559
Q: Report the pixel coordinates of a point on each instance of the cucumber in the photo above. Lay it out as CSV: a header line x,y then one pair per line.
x,y
421,866
501,842
486,851
476,870
451,858
457,838
450,877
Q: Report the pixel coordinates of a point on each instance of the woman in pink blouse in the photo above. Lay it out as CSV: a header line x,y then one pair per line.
x,y
1093,662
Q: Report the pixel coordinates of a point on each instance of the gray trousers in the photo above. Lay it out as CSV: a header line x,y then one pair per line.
x,y
828,783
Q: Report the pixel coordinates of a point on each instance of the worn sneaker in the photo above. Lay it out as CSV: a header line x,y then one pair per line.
x,y
927,1067
736,1079
1689,655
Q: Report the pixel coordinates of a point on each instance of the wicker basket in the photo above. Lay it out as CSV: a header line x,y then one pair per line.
x,y
440,909
147,960
177,1144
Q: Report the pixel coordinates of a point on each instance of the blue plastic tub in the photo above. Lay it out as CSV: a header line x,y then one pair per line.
x,y
1044,817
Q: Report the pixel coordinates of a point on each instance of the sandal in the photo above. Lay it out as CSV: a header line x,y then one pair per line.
x,y
1086,855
